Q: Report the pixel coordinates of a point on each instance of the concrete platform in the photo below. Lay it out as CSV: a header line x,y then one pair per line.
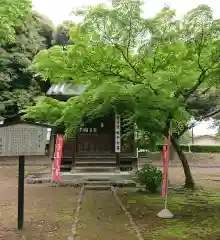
x,y
90,180
108,176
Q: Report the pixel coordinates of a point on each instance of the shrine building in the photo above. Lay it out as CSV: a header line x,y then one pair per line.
x,y
98,146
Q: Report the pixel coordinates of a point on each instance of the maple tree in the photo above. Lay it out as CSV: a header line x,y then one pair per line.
x,y
150,70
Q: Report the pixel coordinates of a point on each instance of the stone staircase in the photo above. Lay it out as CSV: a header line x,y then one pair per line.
x,y
66,164
97,181
95,163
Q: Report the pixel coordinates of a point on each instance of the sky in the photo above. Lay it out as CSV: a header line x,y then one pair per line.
x,y
60,10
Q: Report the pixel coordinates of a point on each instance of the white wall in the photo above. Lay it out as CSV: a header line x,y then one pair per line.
x,y
205,140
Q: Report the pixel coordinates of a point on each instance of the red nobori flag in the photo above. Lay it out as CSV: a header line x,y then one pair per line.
x,y
165,156
57,158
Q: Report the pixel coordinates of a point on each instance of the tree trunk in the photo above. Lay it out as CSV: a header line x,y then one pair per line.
x,y
189,182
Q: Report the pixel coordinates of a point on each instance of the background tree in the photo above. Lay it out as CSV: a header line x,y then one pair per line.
x,y
19,85
61,34
13,13
149,70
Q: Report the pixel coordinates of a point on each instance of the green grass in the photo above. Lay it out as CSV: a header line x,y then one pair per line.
x,y
196,214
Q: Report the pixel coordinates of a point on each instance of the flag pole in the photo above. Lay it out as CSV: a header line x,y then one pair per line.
x,y
166,213
168,158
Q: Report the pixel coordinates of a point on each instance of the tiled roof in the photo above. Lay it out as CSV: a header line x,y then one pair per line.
x,y
66,89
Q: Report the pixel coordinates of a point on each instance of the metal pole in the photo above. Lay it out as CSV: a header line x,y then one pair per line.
x,y
21,192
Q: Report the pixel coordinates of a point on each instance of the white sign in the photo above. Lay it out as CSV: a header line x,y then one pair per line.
x,y
22,140
88,130
117,133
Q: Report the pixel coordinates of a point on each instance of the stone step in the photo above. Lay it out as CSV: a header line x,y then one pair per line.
x,y
95,183
98,187
94,169
64,166
95,163
94,159
67,161
112,177
98,153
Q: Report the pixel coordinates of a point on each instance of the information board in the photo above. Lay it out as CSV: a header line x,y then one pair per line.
x,y
22,140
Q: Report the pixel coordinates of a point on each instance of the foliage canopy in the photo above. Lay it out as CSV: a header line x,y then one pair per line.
x,y
18,84
13,13
148,69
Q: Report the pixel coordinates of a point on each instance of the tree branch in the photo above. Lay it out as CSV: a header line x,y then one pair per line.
x,y
154,60
199,51
127,60
129,38
208,115
196,86
134,69
111,73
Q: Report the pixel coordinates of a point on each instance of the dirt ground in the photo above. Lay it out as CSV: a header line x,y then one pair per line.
x,y
49,211
204,177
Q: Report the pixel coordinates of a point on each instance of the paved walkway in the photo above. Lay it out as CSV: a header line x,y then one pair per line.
x,y
101,218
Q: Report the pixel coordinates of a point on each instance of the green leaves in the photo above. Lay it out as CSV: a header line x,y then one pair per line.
x,y
19,85
47,110
149,177
13,13
148,68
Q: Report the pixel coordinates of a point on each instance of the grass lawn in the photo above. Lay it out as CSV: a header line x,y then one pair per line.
x,y
196,214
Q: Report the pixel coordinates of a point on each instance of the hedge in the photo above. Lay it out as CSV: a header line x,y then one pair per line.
x,y
205,149
193,148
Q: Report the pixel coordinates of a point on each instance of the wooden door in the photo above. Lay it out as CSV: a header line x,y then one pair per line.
x,y
97,136
99,143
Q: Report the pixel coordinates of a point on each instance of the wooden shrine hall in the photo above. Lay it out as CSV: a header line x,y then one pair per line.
x,y
98,146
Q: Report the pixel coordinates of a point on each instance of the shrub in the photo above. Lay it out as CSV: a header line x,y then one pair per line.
x,y
185,148
149,177
205,149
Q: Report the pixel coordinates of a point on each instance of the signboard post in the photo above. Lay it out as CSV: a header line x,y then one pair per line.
x,y
57,158
21,192
22,139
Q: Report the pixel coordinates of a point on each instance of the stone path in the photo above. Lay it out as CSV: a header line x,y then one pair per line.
x,y
101,217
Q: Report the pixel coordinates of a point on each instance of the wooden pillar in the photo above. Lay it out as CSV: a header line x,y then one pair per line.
x,y
74,152
117,139
51,146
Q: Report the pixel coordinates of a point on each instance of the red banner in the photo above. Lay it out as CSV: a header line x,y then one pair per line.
x,y
165,168
57,158
165,156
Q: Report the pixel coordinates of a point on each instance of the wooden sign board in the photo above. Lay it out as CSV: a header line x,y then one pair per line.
x,y
23,140
117,133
